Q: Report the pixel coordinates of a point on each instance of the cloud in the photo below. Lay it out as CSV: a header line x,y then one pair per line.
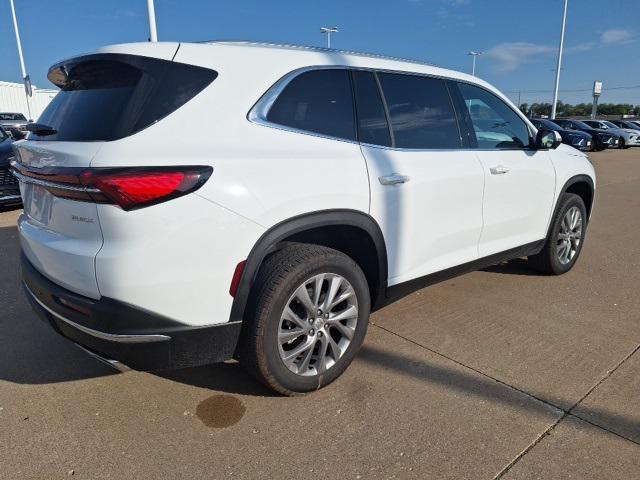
x,y
616,36
511,55
583,47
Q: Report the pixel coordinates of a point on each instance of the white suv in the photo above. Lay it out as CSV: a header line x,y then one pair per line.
x,y
189,203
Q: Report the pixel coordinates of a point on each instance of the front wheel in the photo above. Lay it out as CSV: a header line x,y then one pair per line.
x,y
565,239
307,320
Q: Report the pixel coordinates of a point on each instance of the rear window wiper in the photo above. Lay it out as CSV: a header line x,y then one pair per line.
x,y
41,129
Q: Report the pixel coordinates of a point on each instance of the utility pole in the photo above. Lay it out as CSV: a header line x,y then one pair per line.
x,y
559,67
153,31
474,55
328,31
25,77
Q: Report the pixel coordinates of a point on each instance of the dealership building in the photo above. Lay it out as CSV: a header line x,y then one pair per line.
x,y
13,99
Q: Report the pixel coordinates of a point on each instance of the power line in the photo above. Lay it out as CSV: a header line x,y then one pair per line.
x,y
631,87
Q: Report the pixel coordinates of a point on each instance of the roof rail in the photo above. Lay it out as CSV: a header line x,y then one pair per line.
x,y
286,46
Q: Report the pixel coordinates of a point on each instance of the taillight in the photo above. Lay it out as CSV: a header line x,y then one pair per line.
x,y
130,187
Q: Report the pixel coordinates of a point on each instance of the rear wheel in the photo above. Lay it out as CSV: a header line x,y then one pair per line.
x,y
622,144
565,239
307,320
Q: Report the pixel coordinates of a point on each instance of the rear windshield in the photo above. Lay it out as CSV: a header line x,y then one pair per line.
x,y
111,96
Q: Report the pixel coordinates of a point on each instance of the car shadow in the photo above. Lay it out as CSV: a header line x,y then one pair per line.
x,y
227,377
30,351
518,266
468,382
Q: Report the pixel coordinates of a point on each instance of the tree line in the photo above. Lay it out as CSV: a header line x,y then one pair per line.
x,y
579,110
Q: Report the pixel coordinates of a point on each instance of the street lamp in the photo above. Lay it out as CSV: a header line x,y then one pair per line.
x,y
25,77
328,31
474,55
153,30
559,67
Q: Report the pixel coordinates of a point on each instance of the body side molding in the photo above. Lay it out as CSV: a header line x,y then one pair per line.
x,y
396,292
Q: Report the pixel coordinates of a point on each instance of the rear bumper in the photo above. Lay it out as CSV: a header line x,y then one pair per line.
x,y
115,330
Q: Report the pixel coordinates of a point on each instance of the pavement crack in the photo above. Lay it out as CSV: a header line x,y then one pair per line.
x,y
480,372
548,430
528,448
604,377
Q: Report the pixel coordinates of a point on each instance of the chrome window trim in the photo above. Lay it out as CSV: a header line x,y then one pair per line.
x,y
111,337
258,113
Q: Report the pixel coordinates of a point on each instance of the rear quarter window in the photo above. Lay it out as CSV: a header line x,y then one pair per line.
x,y
317,101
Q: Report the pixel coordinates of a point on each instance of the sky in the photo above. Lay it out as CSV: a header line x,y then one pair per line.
x,y
518,38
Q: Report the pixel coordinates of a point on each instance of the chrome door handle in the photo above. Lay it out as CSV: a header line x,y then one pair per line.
x,y
499,170
393,179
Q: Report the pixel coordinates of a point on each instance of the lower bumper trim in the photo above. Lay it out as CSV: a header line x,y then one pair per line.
x,y
111,337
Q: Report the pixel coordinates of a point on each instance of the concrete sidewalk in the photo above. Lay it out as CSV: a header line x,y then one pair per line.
x,y
498,374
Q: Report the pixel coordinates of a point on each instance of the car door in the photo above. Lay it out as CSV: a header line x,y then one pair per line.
x,y
519,181
426,191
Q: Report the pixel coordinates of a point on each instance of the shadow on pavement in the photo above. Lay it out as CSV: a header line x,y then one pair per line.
x,y
228,377
513,267
487,389
30,351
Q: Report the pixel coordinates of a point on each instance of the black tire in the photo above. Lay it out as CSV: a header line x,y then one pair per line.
x,y
547,260
622,144
279,277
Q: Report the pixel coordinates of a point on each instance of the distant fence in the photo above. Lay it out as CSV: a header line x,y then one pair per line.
x,y
13,99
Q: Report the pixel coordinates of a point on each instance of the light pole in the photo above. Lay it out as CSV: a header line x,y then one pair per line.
x,y
329,31
153,31
559,67
474,55
25,77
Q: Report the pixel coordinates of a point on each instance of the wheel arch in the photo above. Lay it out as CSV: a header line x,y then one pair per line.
x,y
583,186
337,229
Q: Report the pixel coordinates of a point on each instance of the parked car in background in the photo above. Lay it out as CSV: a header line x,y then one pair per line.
x,y
9,188
628,137
577,139
314,186
13,122
602,139
626,124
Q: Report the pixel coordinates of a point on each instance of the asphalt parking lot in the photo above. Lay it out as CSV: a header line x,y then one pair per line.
x,y
498,374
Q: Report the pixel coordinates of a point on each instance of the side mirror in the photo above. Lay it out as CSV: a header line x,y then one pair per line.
x,y
547,140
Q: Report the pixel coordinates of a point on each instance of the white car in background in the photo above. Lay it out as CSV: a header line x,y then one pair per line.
x,y
305,188
629,137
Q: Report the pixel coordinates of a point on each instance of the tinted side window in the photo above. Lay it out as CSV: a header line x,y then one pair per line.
x,y
495,124
318,101
421,112
372,119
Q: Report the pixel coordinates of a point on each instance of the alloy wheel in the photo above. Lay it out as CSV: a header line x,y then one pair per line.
x,y
570,235
318,324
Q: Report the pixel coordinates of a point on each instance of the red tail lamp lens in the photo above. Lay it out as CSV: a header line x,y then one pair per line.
x,y
128,187
132,189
